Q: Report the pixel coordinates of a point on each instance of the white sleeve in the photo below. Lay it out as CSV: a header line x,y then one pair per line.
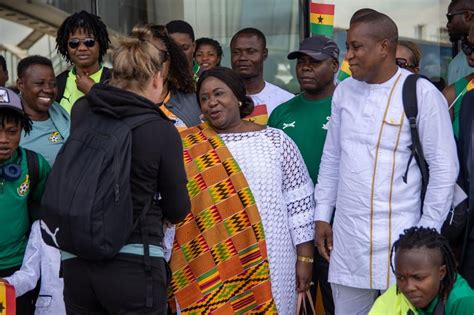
x,y
439,148
27,277
328,176
298,191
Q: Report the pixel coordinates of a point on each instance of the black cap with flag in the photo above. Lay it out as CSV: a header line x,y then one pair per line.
x,y
317,47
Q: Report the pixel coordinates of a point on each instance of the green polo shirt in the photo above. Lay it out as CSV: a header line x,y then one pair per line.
x,y
460,300
14,220
71,92
306,122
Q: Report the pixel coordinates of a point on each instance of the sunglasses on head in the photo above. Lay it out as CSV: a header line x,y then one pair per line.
x,y
450,15
75,43
467,48
403,63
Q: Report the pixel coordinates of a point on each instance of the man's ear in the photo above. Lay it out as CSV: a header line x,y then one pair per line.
x,y
468,17
385,47
335,65
265,54
20,84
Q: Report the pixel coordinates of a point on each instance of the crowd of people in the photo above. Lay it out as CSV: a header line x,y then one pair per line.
x,y
169,184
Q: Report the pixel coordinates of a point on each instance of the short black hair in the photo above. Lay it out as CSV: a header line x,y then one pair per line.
x,y
90,23
250,31
211,42
8,114
467,4
180,26
234,82
29,61
361,12
422,237
3,63
381,26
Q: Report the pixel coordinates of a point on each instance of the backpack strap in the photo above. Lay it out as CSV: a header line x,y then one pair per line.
x,y
410,106
106,75
61,81
33,173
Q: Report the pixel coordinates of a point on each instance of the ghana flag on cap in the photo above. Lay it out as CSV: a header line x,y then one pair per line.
x,y
322,19
7,299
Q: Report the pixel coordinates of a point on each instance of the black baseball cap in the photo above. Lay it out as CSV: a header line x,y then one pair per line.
x,y
317,47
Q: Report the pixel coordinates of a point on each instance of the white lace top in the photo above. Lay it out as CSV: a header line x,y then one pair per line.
x,y
279,180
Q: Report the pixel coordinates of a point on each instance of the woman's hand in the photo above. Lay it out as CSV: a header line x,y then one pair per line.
x,y
304,265
304,271
84,83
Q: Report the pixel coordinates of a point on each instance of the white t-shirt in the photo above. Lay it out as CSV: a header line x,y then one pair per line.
x,y
266,101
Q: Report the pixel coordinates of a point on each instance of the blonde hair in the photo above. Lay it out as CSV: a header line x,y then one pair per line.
x,y
136,60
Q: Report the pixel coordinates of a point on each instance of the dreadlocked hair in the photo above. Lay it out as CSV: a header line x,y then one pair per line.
x,y
91,24
8,115
419,237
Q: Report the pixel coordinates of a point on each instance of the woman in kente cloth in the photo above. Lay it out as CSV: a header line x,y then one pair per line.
x,y
247,245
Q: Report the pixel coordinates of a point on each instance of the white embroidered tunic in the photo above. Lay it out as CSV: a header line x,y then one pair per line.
x,y
361,174
283,191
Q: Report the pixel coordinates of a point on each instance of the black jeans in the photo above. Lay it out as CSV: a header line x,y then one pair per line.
x,y
320,276
25,304
115,286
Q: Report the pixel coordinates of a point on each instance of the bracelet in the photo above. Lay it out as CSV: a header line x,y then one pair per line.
x,y
305,259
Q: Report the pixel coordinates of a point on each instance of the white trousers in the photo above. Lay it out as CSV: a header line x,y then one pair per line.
x,y
353,301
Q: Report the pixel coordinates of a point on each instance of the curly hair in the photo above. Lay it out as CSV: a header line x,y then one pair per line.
x,y
421,237
211,42
180,76
88,22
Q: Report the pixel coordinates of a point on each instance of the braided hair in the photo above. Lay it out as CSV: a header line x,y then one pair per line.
x,y
91,24
421,237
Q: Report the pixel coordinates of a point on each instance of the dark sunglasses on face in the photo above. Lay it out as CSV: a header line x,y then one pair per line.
x,y
403,63
466,47
75,42
450,15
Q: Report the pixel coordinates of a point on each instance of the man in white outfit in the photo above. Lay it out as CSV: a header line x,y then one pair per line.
x,y
365,157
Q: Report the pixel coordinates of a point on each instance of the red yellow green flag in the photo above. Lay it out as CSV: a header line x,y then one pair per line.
x,y
344,72
7,299
470,85
322,19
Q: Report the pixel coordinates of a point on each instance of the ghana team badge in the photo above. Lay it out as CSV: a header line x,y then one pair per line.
x,y
54,137
24,187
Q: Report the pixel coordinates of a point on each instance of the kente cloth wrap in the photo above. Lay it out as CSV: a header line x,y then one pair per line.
x,y
219,261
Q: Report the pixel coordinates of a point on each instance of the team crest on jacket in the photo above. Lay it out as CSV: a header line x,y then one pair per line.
x,y
55,137
24,187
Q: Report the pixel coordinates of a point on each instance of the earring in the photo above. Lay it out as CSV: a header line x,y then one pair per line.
x,y
240,104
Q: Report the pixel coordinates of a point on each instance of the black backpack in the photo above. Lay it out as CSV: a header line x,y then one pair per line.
x,y
454,224
87,204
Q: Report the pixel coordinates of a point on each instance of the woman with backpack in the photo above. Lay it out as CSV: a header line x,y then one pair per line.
x,y
121,173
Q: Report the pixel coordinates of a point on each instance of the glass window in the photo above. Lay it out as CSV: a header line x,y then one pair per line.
x,y
422,22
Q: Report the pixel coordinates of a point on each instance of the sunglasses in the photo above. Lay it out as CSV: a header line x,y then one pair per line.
x,y
466,47
75,43
403,63
450,15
